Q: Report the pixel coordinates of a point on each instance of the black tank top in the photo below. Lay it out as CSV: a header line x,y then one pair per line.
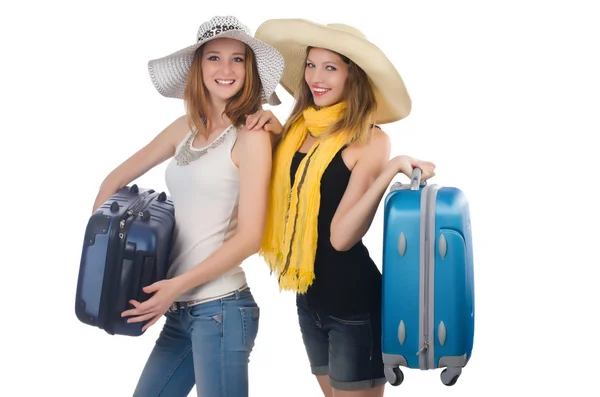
x,y
345,282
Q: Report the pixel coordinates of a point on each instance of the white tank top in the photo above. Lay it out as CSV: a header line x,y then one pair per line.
x,y
204,186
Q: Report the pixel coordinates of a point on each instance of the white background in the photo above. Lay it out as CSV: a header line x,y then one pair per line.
x,y
505,102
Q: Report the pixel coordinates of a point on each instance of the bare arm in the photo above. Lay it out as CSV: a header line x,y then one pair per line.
x,y
255,171
368,182
155,152
370,178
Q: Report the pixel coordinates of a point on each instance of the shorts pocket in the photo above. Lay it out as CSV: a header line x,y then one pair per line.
x,y
355,319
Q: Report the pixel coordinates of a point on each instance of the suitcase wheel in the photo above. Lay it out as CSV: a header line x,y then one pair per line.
x,y
145,215
449,376
162,197
134,189
114,207
394,375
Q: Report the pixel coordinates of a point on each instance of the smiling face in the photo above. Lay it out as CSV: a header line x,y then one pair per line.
x,y
326,74
223,67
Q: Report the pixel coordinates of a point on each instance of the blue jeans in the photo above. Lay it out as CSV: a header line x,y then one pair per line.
x,y
207,345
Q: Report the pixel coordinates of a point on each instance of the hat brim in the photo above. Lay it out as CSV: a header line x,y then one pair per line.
x,y
169,73
291,37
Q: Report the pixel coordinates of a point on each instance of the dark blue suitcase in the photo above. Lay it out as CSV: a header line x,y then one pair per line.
x,y
428,313
126,247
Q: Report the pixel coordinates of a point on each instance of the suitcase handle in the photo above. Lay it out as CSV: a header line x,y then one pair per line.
x,y
415,180
146,276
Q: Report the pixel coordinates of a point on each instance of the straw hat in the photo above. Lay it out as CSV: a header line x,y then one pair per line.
x,y
169,73
291,37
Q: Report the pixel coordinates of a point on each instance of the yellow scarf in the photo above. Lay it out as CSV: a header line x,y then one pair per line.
x,y
290,240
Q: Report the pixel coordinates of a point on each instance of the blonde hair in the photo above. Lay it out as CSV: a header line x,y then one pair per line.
x,y
358,95
243,103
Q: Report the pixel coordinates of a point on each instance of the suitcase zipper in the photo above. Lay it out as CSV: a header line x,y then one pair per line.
x,y
428,212
425,347
119,246
427,284
429,204
425,320
136,209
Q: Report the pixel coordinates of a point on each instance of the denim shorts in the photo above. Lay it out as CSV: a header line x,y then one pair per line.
x,y
347,349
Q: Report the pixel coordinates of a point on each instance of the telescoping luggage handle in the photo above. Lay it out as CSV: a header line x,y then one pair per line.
x,y
415,182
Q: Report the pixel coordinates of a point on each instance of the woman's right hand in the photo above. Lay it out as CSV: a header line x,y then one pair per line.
x,y
264,119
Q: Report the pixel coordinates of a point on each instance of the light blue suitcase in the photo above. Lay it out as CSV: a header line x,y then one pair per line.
x,y
428,293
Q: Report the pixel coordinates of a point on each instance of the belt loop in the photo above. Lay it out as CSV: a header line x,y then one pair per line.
x,y
239,291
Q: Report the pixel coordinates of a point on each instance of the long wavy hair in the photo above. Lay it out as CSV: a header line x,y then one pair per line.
x,y
246,101
360,98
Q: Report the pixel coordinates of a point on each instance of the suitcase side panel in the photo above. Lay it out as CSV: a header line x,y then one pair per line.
x,y
401,278
97,252
453,281
90,282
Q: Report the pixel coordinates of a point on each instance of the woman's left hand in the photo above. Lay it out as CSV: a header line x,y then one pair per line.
x,y
266,120
427,168
165,293
406,164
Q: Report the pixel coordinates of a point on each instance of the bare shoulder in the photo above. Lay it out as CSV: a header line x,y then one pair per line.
x,y
251,146
379,144
177,130
377,147
248,137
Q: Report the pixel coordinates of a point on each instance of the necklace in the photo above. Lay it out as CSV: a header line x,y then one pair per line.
x,y
188,153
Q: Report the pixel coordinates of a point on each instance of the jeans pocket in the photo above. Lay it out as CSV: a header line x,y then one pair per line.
x,y
250,321
208,316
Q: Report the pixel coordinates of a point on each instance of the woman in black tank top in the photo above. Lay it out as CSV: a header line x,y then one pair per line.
x,y
346,282
330,172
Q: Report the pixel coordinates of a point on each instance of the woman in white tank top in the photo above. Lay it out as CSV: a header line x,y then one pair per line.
x,y
218,178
